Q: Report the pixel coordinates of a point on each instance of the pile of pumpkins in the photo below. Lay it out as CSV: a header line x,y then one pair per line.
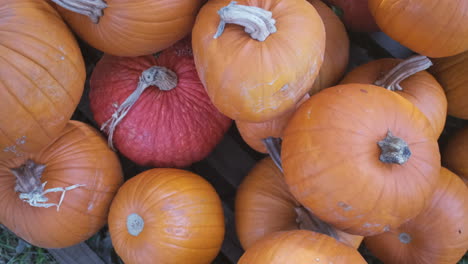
x,y
353,156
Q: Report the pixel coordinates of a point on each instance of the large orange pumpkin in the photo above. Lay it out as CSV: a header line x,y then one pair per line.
x,y
257,73
130,28
85,171
455,153
438,235
167,216
300,247
452,73
42,76
428,27
419,87
264,205
356,154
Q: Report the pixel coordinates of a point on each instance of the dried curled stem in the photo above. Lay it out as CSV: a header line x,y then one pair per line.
x,y
273,146
306,220
90,8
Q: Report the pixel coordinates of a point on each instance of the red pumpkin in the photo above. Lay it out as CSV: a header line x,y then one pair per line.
x,y
264,205
300,247
356,15
419,87
455,153
171,123
130,28
439,234
42,76
78,161
355,154
260,70
167,216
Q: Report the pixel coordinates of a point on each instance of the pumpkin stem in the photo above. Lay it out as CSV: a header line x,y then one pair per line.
x,y
394,149
90,8
308,221
273,146
135,224
161,77
403,70
28,184
258,22
405,238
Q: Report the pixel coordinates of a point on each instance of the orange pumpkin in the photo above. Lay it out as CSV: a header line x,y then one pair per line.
x,y
42,76
368,138
335,59
455,153
438,235
425,26
264,205
300,247
61,195
167,216
129,28
419,88
259,72
452,73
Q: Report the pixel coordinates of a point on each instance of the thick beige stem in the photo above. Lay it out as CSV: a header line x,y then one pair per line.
x,y
161,77
394,149
257,21
28,176
308,221
90,8
403,70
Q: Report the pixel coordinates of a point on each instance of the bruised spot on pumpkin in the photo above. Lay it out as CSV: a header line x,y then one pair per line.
x,y
363,90
346,207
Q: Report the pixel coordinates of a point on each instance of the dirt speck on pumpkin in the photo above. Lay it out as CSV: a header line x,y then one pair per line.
x,y
346,207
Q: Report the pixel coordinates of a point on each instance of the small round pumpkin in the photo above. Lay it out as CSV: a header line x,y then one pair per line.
x,y
356,15
260,70
300,247
366,137
61,195
452,73
455,153
42,76
425,26
134,28
439,234
167,216
264,205
408,79
155,110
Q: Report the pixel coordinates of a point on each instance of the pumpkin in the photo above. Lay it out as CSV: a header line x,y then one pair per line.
x,y
452,73
60,196
166,216
124,28
455,153
439,234
355,15
264,205
336,55
259,72
366,137
42,76
300,247
156,110
420,26
408,79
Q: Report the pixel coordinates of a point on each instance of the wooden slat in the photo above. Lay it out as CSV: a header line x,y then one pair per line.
x,y
78,254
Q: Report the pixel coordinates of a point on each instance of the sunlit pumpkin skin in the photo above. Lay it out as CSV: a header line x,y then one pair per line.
x,y
455,153
336,55
300,247
163,128
264,205
356,15
252,80
42,76
135,28
438,235
331,143
421,89
79,155
182,219
254,133
426,26
452,73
